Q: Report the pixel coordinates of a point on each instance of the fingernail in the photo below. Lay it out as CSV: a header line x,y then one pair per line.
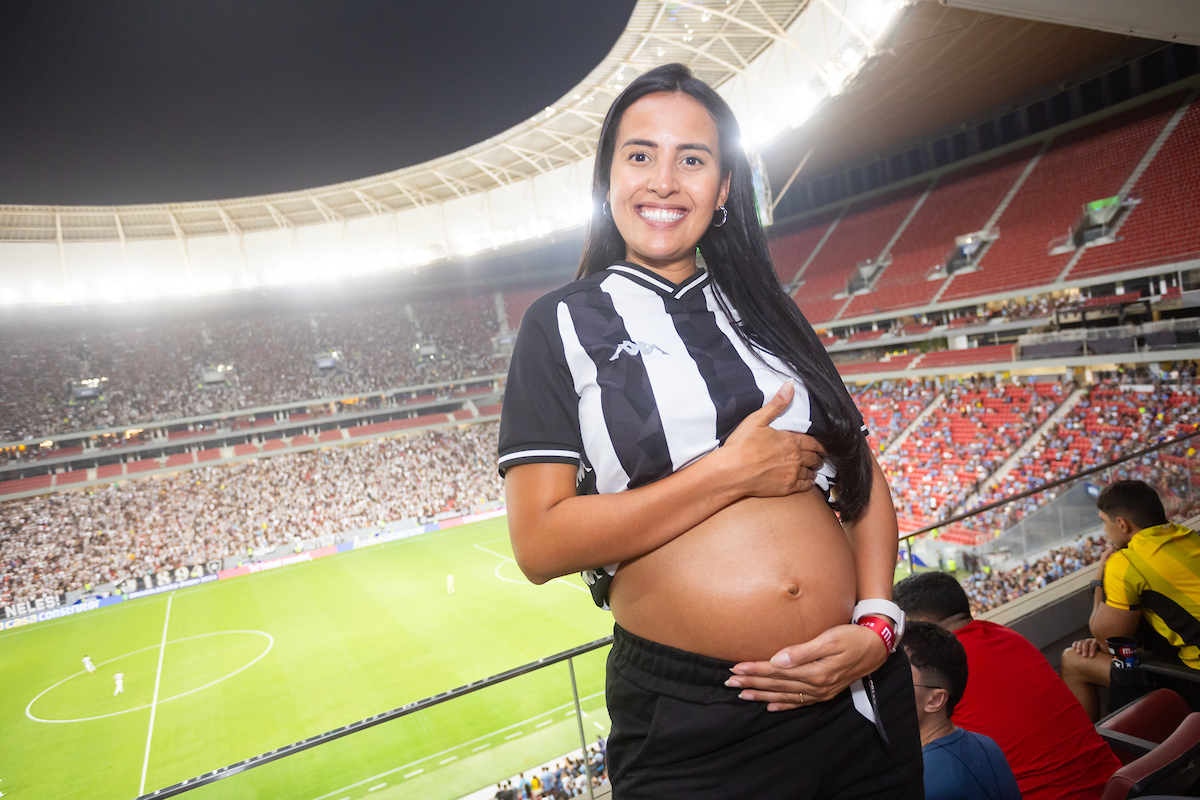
x,y
781,660
744,696
732,683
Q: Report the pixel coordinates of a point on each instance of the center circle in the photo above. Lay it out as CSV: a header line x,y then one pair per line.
x,y
270,642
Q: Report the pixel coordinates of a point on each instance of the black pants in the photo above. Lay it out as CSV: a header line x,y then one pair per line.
x,y
679,732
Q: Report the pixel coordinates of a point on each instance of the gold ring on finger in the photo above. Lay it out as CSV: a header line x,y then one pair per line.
x,y
801,698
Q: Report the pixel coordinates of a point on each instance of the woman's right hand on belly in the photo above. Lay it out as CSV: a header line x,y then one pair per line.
x,y
773,463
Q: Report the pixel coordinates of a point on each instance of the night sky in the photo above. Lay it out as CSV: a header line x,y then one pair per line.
x,y
115,101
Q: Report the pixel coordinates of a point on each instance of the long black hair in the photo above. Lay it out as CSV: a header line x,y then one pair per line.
x,y
739,263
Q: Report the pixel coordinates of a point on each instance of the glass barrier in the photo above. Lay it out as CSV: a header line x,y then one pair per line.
x,y
440,751
462,743
1021,543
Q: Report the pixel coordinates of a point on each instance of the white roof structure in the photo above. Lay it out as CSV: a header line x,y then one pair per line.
x,y
775,61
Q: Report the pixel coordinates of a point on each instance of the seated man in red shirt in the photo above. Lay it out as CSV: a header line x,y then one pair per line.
x,y
1015,697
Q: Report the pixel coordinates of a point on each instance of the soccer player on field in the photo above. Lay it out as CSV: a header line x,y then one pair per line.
x,y
87,664
120,679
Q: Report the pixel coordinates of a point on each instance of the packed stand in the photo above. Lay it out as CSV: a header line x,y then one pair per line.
x,y
153,370
566,778
987,588
889,408
56,543
962,442
1031,307
1108,423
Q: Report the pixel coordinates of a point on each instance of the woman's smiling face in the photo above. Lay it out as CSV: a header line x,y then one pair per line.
x,y
666,182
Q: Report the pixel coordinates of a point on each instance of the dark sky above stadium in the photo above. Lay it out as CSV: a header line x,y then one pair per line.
x,y
144,101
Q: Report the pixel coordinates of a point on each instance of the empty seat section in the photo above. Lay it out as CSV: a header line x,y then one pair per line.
x,y
972,355
1162,229
961,203
860,235
891,365
517,302
1083,165
792,248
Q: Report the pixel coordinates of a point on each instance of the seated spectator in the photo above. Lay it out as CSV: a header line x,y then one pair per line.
x,y
1148,585
1014,697
959,764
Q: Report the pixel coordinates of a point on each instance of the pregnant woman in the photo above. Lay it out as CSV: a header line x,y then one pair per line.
x,y
673,428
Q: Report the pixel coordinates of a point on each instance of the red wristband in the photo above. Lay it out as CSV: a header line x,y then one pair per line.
x,y
883,628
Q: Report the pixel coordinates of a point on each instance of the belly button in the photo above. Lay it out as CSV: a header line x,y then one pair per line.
x,y
793,590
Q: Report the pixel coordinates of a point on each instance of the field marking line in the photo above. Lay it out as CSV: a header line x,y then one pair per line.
x,y
162,649
544,724
376,788
448,760
418,772
598,725
455,747
260,657
510,580
514,735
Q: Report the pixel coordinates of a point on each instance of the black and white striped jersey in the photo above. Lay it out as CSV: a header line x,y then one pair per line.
x,y
632,378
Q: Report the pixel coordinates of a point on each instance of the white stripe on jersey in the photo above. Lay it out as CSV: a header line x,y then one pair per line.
x,y
688,417
540,454
770,374
610,476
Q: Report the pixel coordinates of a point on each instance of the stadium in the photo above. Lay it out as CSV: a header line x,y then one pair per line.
x,y
248,446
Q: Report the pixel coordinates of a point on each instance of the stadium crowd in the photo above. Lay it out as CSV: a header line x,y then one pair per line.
x,y
987,588
567,778
1107,423
153,370
56,543
962,442
888,409
60,542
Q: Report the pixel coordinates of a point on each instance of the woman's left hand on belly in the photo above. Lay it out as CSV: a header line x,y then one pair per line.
x,y
809,673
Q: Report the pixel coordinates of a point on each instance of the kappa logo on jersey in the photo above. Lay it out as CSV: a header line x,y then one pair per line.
x,y
636,349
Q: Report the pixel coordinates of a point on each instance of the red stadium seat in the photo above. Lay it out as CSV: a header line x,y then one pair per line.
x,y
789,250
1162,228
1151,718
1171,768
860,235
1086,164
960,203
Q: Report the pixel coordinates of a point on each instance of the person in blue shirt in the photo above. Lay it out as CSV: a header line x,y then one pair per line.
x,y
959,764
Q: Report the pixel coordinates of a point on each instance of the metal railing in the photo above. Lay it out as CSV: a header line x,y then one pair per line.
x,y
570,657
1050,485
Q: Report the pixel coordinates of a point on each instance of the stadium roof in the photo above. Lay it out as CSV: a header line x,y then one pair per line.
x,y
718,40
941,67
877,70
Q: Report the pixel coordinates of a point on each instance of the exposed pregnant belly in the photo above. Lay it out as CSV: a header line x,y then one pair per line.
x,y
758,576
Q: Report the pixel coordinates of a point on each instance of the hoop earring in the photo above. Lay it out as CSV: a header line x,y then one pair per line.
x,y
724,217
604,210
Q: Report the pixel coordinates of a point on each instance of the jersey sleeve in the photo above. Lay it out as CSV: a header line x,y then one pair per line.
x,y
539,422
1123,585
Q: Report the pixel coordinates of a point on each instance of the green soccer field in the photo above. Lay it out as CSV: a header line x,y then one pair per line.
x,y
258,662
